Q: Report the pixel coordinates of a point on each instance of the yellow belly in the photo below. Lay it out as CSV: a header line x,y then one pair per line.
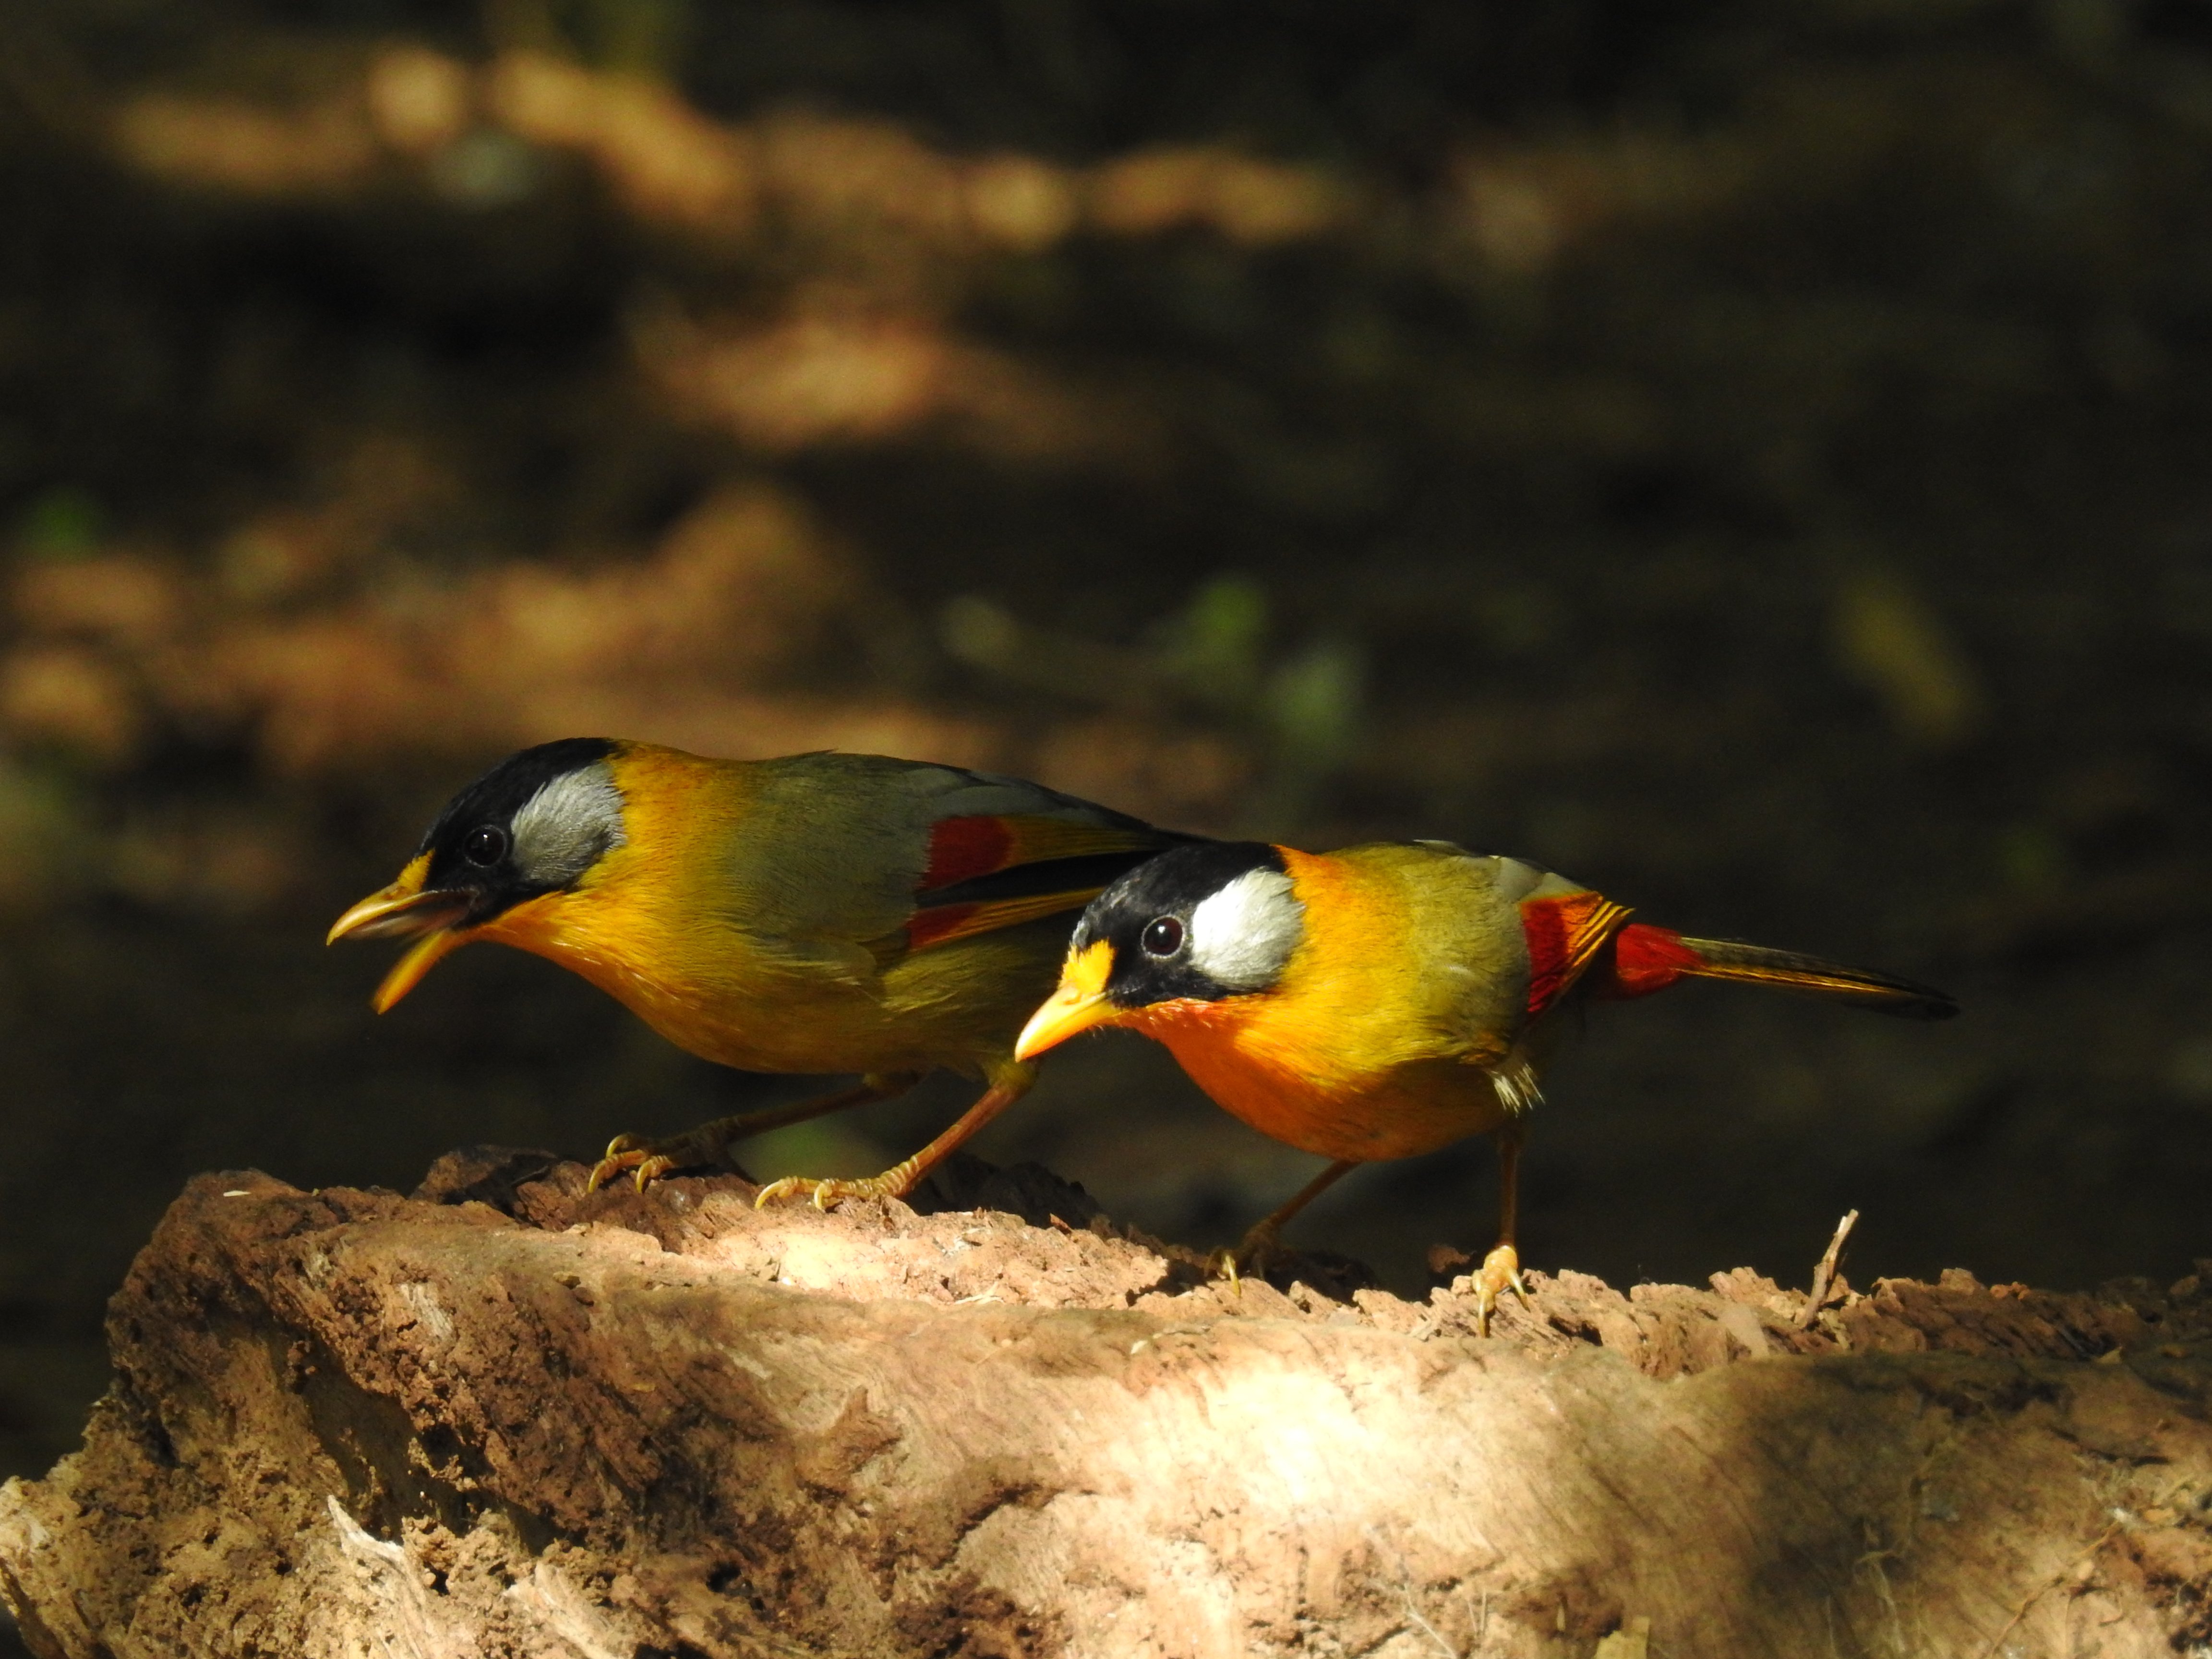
x,y
710,991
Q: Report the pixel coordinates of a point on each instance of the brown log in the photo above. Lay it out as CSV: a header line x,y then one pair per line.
x,y
503,1418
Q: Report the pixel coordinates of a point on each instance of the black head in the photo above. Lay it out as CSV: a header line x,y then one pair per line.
x,y
532,825
1208,920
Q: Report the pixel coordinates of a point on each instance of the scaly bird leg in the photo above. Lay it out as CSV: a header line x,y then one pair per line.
x,y
706,1144
900,1179
1501,1268
1252,1250
1260,1244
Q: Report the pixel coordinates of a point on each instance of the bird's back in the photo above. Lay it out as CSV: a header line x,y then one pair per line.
x,y
838,913
1410,980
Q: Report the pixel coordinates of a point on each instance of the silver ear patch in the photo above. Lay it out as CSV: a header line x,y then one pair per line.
x,y
1242,936
568,826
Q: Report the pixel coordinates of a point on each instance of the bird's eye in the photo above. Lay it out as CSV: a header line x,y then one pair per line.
x,y
1162,937
486,845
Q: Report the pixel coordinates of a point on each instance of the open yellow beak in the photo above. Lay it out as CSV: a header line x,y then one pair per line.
x,y
1079,1003
403,910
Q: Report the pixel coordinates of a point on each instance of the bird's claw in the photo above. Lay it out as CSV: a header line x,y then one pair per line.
x,y
775,1190
651,1159
825,1193
1221,1264
1250,1255
1500,1272
629,1152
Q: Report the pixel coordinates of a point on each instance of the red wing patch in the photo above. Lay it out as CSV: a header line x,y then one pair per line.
x,y
950,921
1564,934
1647,959
947,922
961,849
987,872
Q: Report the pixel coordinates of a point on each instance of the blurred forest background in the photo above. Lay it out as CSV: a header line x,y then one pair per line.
x,y
1750,456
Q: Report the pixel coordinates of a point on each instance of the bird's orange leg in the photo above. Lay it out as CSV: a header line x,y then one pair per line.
x,y
1501,1268
900,1179
1252,1250
706,1144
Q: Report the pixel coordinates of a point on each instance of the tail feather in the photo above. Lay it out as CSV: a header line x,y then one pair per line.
x,y
1648,959
1885,993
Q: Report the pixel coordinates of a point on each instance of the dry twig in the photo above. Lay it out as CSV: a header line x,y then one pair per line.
x,y
1824,1276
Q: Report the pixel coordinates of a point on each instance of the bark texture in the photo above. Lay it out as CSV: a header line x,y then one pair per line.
x,y
502,1418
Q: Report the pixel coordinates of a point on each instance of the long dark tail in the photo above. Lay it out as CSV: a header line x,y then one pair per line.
x,y
1648,959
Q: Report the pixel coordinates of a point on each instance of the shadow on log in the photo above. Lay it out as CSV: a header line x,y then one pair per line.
x,y
503,1418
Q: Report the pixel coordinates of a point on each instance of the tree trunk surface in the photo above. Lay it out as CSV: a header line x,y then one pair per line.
x,y
505,1418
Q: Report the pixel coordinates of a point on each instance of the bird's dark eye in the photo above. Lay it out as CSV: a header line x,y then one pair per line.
x,y
486,845
1162,937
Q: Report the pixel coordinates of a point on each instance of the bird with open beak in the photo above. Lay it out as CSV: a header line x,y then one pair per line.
x,y
1385,1001
821,913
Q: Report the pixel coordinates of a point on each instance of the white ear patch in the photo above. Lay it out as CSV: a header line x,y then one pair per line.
x,y
568,826
1242,935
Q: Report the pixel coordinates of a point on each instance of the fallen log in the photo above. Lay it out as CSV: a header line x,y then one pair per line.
x,y
506,1418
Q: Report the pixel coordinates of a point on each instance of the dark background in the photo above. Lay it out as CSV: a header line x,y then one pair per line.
x,y
1752,457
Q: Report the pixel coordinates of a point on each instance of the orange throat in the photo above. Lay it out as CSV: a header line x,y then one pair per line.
x,y
547,927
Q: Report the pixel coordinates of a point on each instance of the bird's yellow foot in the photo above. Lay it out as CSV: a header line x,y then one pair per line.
x,y
1250,1255
826,1193
627,1153
652,1159
1501,1272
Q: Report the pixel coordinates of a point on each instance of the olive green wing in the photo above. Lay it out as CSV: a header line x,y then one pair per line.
x,y
894,856
1499,940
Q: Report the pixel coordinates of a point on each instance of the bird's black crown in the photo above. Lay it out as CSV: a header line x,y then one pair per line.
x,y
472,843
1146,918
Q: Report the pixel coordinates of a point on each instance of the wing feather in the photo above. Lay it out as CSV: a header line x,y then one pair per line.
x,y
1564,933
991,870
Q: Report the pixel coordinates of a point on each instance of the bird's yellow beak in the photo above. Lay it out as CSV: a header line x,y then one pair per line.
x,y
404,910
1079,1003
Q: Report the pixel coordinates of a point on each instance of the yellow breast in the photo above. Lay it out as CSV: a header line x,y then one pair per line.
x,y
661,924
1346,1056
647,926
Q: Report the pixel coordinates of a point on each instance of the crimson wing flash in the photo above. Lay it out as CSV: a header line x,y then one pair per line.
x,y
1564,933
993,871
